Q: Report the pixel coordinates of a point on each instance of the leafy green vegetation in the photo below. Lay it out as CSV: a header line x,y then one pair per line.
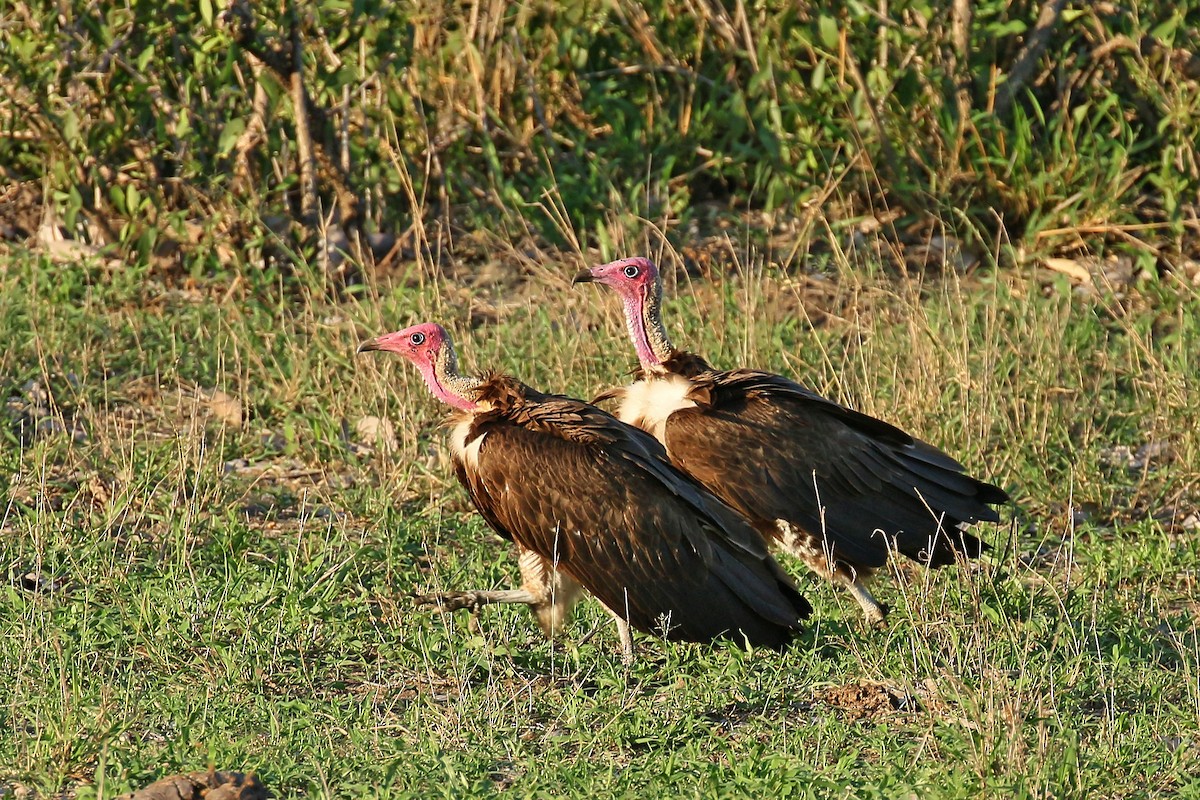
x,y
156,130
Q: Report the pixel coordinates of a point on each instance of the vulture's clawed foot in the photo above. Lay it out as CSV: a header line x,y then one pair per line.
x,y
876,616
450,601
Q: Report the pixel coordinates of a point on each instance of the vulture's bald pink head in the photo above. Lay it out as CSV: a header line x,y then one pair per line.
x,y
428,346
636,281
633,278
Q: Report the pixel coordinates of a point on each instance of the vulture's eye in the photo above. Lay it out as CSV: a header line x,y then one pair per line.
x,y
417,338
631,271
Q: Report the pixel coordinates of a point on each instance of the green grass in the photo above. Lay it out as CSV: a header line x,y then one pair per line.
x,y
236,596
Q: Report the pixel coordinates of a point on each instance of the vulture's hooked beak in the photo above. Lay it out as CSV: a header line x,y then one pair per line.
x,y
368,346
584,276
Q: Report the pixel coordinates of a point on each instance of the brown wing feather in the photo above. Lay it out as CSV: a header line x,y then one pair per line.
x,y
598,498
774,450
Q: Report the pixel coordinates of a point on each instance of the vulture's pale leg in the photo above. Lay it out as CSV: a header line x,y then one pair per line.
x,y
625,634
561,592
816,557
556,592
874,611
626,637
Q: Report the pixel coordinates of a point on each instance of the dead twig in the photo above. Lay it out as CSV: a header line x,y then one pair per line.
x,y
256,128
1035,46
304,145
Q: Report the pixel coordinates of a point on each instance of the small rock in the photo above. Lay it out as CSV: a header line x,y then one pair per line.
x,y
324,513
377,432
223,406
1073,269
37,395
52,426
17,408
1119,271
1117,456
273,441
1150,451
339,481
1191,271
950,250
1144,457
211,785
38,582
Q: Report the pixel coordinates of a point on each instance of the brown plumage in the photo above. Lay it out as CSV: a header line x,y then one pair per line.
x,y
599,500
833,486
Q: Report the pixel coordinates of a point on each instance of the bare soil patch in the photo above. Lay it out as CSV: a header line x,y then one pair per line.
x,y
211,785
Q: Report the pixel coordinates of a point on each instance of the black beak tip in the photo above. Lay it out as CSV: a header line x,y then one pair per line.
x,y
583,276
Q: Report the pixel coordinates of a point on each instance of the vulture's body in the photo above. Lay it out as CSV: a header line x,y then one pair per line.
x,y
569,482
590,498
792,462
837,488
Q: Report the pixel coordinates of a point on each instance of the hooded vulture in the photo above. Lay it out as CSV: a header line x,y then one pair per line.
x,y
590,501
836,488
